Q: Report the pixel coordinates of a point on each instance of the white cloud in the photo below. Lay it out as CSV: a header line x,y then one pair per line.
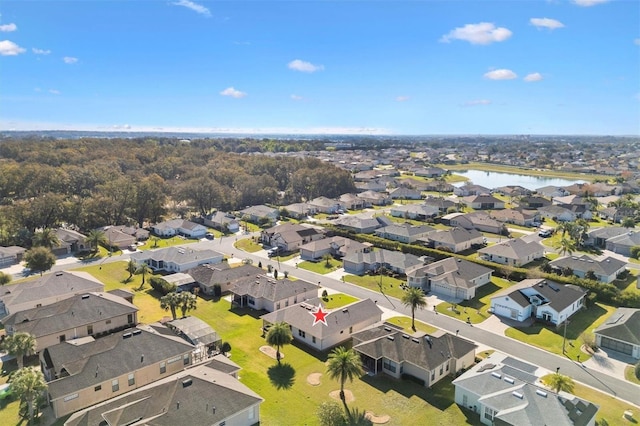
x,y
501,74
534,76
303,66
40,51
70,60
9,48
402,98
7,28
230,91
549,23
296,97
637,41
477,102
482,33
193,6
54,91
589,3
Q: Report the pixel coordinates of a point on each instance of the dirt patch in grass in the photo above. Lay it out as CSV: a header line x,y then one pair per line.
x,y
378,420
270,352
314,379
348,395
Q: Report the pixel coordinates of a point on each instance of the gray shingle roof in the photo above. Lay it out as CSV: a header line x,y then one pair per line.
x,y
177,255
209,275
514,249
585,263
623,325
76,311
457,272
107,358
393,258
455,235
262,286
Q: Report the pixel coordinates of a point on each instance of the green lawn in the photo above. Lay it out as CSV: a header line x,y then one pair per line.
x,y
611,408
630,374
335,301
405,323
550,338
321,267
390,285
248,245
476,308
630,283
158,242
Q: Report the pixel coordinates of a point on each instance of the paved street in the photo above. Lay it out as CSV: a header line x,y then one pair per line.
x,y
485,335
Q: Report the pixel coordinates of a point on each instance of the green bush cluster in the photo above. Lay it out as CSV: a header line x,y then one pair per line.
x,y
162,286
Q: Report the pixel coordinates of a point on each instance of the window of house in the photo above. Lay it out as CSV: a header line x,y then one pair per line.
x,y
447,367
163,367
131,379
251,300
350,330
130,318
89,330
441,369
277,306
433,376
62,338
115,386
489,413
302,334
108,321
185,359
286,303
97,388
389,365
313,339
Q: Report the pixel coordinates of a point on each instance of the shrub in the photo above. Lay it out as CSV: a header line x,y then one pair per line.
x,y
637,370
225,347
635,252
161,286
217,290
589,340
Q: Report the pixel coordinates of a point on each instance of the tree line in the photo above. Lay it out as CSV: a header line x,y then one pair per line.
x,y
88,183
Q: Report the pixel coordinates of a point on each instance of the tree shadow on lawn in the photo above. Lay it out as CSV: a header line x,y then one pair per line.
x,y
472,418
247,311
321,356
282,376
440,395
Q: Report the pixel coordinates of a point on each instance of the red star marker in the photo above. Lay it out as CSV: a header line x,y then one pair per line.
x,y
319,316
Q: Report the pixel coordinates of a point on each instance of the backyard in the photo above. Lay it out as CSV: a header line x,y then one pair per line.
x,y
390,286
321,267
476,308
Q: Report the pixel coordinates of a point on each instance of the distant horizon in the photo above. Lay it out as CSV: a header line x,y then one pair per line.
x,y
370,67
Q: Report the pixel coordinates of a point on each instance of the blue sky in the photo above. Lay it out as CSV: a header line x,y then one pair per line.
x,y
386,67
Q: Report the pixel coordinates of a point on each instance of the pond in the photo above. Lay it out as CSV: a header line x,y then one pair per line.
x,y
495,179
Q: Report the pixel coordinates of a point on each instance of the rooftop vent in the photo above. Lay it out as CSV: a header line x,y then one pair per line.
x,y
58,274
387,329
541,393
406,336
390,337
496,375
136,332
126,335
345,310
85,296
509,380
186,383
517,394
414,340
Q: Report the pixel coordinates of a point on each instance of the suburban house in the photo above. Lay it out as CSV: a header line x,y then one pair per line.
x,y
503,391
426,357
260,213
404,193
513,191
376,185
353,202
404,233
581,211
361,223
222,221
415,211
557,213
598,237
262,292
182,227
327,205
208,276
89,314
622,244
621,332
11,255
533,202
342,323
616,214
290,236
181,280
552,191
87,371
196,332
605,270
361,262
334,246
429,172
516,252
455,239
375,198
450,277
544,300
516,216
470,189
176,259
69,241
45,290
298,210
442,204
476,220
205,394
118,239
483,202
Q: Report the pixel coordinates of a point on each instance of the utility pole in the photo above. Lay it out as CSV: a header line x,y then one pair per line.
x,y
564,337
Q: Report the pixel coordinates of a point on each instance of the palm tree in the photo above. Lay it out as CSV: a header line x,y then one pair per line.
x,y
170,301
565,245
28,385
132,267
19,345
188,302
559,382
279,335
46,238
414,298
96,238
344,364
327,259
143,269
